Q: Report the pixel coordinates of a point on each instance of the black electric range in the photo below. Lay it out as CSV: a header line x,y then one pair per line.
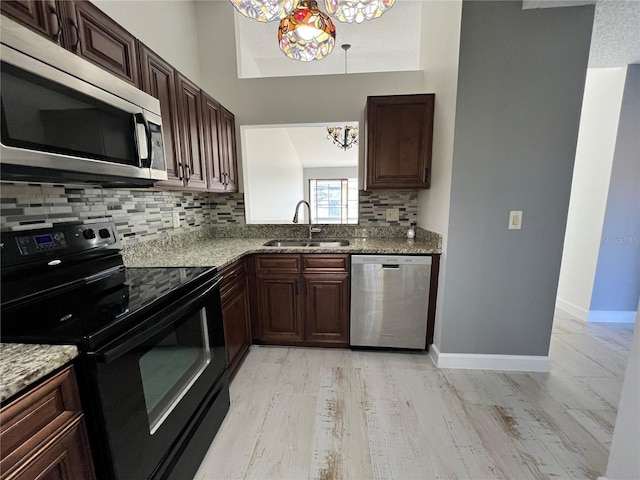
x,y
152,363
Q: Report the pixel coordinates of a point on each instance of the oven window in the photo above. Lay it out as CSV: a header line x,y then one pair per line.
x,y
174,364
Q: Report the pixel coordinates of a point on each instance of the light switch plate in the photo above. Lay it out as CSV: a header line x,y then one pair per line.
x,y
393,215
176,219
515,219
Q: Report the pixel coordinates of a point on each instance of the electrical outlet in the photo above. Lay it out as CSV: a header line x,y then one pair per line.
x,y
176,219
393,215
515,219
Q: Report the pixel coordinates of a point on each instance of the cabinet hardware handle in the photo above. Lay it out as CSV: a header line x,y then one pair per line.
x,y
56,36
75,46
181,168
188,168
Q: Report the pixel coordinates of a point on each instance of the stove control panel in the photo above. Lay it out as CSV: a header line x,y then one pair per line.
x,y
30,244
56,241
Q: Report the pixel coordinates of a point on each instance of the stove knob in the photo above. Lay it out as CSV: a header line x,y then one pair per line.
x,y
89,234
104,233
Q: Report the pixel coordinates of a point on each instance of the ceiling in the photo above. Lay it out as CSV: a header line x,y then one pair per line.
x,y
389,43
392,42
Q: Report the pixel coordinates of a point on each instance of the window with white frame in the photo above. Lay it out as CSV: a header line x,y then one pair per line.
x,y
334,200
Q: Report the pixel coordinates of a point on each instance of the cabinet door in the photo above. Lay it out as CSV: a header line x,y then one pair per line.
x,y
65,458
190,122
279,309
228,155
235,315
211,127
399,137
41,16
326,299
159,80
97,38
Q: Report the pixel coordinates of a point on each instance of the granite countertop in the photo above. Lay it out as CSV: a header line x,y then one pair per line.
x,y
22,365
220,252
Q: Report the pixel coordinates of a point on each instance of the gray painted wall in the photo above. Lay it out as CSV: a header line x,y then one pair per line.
x,y
617,281
520,86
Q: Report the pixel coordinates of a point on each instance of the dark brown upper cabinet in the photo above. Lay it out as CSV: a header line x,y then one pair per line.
x,y
42,17
228,158
399,131
81,27
159,80
192,158
211,116
97,38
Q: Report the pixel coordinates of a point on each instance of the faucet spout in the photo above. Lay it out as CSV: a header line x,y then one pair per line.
x,y
295,216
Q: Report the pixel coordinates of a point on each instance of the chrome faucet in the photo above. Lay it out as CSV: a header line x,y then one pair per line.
x,y
295,216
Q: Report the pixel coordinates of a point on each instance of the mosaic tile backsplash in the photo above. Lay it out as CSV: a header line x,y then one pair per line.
x,y
139,215
142,215
374,205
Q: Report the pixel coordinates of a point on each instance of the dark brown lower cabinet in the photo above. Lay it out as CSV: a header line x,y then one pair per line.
x,y
43,435
326,297
302,299
279,308
236,314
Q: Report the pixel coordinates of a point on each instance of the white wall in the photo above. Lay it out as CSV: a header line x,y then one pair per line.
x,y
440,50
275,184
624,463
167,27
591,175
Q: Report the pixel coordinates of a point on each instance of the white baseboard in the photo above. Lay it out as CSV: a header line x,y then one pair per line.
x,y
606,316
578,312
473,361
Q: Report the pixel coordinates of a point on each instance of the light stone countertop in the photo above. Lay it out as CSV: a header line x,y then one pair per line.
x,y
220,252
22,365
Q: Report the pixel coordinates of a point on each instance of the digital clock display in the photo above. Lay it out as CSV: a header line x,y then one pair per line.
x,y
43,239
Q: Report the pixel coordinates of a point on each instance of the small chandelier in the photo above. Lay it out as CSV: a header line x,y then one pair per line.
x,y
349,11
264,10
307,33
343,138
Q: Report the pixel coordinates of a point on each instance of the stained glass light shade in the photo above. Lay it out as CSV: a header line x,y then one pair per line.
x,y
264,10
307,34
350,11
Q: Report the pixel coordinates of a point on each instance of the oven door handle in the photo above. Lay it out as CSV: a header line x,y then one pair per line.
x,y
159,322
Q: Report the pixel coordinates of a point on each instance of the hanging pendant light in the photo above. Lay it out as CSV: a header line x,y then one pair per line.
x,y
349,11
307,33
264,10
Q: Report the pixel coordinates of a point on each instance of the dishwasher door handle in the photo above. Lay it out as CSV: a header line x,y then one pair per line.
x,y
389,266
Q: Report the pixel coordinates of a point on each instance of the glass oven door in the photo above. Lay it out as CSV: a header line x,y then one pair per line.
x,y
149,384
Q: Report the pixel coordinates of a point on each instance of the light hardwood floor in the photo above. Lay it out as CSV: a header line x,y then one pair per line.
x,y
300,413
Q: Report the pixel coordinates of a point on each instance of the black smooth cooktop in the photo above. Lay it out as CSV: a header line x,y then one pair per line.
x,y
96,311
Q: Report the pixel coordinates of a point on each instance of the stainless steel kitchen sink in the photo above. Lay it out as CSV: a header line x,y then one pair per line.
x,y
326,243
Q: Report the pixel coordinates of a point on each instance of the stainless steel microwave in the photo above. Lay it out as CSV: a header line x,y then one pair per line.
x,y
65,120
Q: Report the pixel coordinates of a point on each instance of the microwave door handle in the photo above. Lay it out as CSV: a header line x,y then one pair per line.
x,y
140,118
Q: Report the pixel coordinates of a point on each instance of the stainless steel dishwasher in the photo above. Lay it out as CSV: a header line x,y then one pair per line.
x,y
389,300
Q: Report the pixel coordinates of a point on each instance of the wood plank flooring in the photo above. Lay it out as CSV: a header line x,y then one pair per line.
x,y
299,413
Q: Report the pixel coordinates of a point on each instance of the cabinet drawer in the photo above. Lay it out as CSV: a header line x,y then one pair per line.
x,y
29,421
231,275
325,263
277,263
